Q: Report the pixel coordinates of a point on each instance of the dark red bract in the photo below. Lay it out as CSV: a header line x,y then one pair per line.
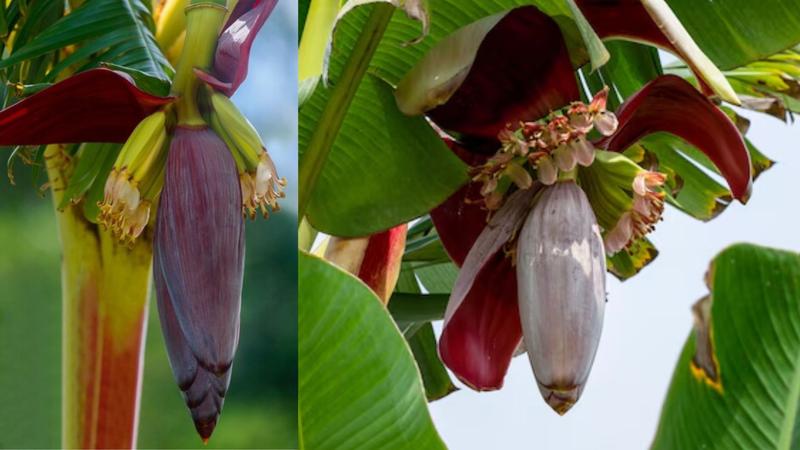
x,y
522,72
233,48
99,105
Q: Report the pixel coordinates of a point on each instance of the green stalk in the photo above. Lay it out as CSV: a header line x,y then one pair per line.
x,y
410,307
342,94
204,19
316,33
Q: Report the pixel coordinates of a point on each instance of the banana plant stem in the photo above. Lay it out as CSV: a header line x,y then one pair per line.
x,y
105,289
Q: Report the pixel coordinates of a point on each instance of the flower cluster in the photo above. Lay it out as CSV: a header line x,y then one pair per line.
x,y
258,178
556,143
135,180
123,210
648,205
261,189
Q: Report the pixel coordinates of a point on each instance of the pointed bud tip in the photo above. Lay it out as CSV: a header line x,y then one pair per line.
x,y
745,197
560,399
205,428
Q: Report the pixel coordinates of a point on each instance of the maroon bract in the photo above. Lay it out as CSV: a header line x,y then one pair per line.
x,y
623,18
630,20
521,72
233,49
672,105
99,105
199,247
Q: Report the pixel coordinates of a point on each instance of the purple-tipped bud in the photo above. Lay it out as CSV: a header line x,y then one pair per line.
x,y
561,284
198,265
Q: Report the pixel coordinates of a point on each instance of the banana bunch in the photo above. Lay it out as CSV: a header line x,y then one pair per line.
x,y
136,179
261,186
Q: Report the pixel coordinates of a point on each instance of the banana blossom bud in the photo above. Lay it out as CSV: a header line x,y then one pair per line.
x,y
199,254
561,292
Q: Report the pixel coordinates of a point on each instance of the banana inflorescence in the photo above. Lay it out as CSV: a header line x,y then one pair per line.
x,y
136,179
261,186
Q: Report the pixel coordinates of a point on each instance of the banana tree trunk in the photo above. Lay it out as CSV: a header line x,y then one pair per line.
x,y
105,288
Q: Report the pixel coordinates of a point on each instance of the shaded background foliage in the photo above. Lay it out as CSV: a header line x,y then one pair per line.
x,y
260,410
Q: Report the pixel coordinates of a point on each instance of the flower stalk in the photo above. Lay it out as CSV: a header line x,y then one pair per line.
x,y
204,19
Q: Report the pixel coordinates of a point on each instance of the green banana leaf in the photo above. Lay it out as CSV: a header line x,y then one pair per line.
x,y
422,341
394,57
737,382
118,31
359,386
737,32
384,168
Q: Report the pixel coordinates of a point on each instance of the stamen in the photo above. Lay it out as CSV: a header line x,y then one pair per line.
x,y
645,212
540,150
262,188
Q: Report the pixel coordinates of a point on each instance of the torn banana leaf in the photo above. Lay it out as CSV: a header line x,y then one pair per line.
x,y
719,399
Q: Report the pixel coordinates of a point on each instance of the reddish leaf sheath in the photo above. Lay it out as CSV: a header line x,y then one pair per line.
x,y
199,246
670,104
233,48
380,267
99,105
522,71
374,259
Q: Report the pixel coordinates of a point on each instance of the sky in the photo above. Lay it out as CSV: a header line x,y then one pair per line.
x,y
647,320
